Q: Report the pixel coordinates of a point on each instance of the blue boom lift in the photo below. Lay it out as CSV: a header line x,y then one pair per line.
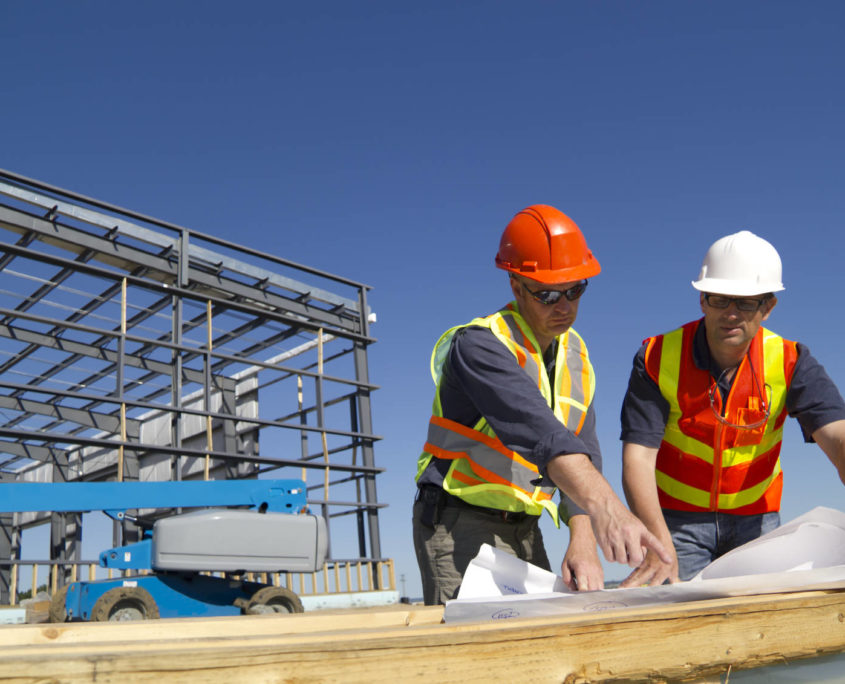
x,y
270,532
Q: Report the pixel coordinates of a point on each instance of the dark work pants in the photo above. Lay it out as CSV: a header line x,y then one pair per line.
x,y
445,550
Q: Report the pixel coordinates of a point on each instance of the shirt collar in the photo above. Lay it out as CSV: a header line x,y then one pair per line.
x,y
701,355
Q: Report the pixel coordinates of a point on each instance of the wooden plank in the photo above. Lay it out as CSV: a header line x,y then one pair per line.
x,y
15,636
674,642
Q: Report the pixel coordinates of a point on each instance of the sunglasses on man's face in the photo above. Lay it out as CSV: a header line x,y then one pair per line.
x,y
549,297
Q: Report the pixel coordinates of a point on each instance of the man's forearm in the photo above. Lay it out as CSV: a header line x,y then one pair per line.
x,y
622,537
831,439
577,476
640,486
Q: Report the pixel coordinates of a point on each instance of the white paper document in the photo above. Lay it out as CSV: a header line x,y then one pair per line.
x,y
806,553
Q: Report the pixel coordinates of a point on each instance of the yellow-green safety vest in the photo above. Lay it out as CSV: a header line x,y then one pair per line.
x,y
483,471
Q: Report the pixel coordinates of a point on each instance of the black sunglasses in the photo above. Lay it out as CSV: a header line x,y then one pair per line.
x,y
742,303
550,297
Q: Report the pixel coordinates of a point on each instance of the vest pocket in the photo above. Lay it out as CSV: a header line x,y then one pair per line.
x,y
749,436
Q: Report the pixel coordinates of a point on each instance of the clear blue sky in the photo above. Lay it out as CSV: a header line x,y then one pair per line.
x,y
390,142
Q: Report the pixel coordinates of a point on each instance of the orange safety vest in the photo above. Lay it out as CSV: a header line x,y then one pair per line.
x,y
704,464
483,471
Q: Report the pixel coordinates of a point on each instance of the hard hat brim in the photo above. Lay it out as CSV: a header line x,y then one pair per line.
x,y
562,275
736,288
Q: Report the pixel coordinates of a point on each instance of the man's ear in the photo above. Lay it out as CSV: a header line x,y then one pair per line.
x,y
770,304
701,301
516,288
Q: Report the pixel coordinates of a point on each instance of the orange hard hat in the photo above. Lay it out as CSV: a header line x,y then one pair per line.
x,y
544,244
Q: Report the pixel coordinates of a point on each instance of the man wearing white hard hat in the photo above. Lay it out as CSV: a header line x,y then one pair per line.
x,y
703,416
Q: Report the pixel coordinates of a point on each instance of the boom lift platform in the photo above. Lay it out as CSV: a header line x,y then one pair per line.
x,y
271,532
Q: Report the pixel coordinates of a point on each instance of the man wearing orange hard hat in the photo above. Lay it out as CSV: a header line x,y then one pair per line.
x,y
703,416
513,419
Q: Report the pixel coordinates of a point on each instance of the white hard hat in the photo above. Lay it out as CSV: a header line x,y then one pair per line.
x,y
740,265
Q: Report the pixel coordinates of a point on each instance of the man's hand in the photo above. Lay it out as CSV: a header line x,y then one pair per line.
x,y
653,571
620,535
581,568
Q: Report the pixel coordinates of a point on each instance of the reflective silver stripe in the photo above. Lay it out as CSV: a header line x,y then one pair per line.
x,y
488,458
518,338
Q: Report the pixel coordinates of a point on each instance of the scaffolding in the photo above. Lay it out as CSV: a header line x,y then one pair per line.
x,y
135,349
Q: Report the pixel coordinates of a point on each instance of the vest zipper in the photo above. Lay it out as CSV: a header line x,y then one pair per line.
x,y
719,447
717,468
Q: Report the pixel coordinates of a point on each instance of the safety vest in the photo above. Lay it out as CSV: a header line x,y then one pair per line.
x,y
483,471
704,464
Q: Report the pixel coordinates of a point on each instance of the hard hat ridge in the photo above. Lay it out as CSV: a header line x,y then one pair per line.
x,y
544,244
741,264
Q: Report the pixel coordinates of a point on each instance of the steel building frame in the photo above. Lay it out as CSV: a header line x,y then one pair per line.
x,y
135,349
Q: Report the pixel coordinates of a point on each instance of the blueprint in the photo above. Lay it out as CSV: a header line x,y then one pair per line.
x,y
806,553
